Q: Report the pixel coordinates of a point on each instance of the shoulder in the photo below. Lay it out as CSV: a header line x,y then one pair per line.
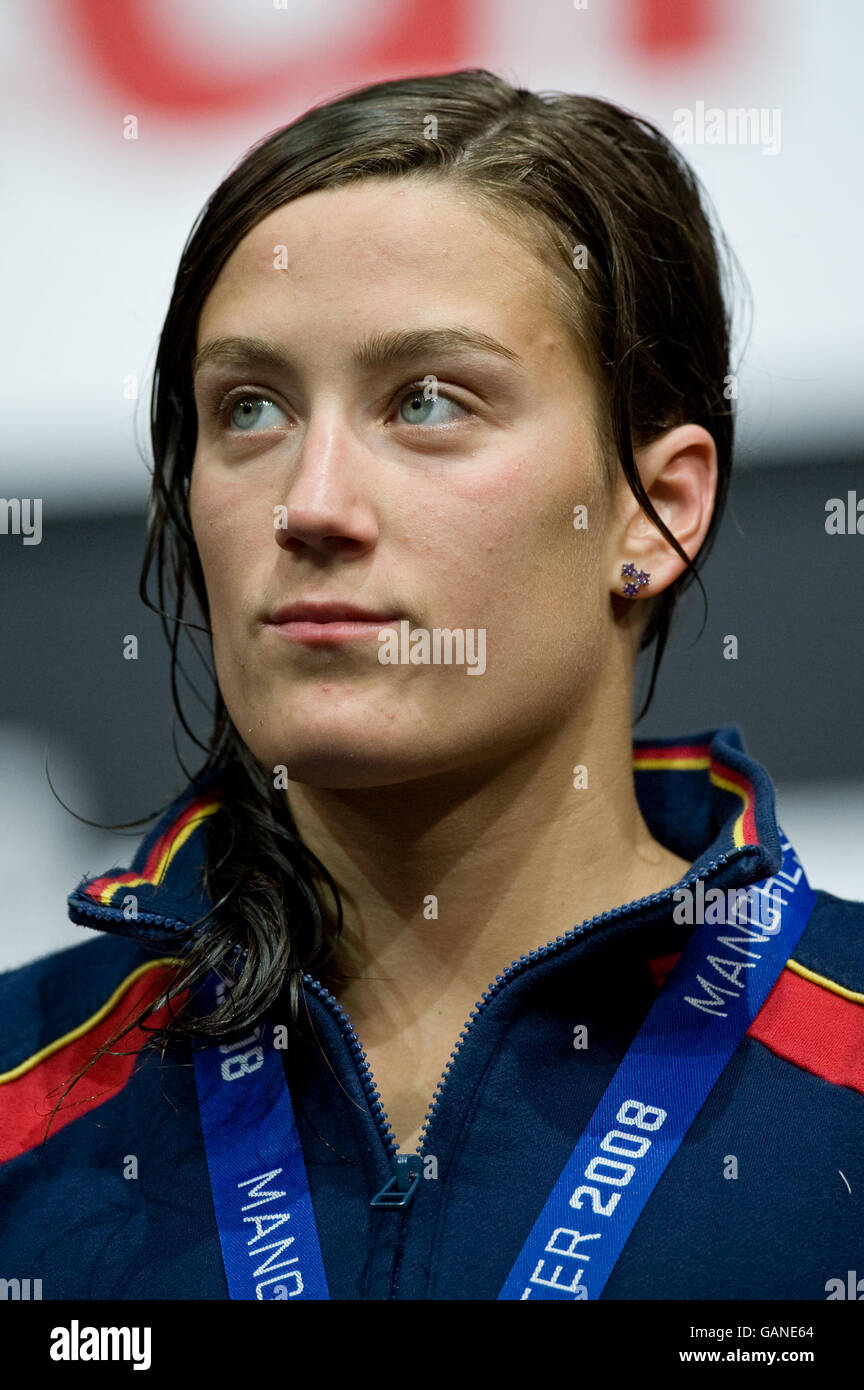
x,y
814,1015
832,945
59,999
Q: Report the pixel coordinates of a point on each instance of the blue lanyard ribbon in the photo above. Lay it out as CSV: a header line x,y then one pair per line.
x,y
261,1196
718,986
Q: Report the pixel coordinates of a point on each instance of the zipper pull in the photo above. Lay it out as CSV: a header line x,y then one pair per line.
x,y
400,1188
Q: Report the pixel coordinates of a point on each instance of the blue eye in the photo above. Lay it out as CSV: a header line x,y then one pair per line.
x,y
420,406
246,413
249,413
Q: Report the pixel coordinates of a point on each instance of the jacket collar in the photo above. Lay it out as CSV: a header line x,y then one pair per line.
x,y
702,796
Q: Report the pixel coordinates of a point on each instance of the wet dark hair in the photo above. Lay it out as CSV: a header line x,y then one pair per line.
x,y
646,303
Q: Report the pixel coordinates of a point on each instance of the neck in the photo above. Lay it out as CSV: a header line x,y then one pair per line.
x,y
445,881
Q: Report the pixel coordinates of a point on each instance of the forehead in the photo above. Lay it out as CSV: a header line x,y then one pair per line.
x,y
386,250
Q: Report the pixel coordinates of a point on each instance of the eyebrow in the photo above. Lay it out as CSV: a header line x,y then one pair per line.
x,y
377,350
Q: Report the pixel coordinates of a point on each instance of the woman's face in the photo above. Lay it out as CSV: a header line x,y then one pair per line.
x,y
328,478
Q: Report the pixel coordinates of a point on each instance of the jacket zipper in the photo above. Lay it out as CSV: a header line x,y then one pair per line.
x,y
403,1176
405,1168
80,909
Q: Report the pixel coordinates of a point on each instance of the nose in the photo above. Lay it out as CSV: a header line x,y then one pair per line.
x,y
326,504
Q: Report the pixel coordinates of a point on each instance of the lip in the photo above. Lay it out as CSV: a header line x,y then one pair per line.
x,y
320,623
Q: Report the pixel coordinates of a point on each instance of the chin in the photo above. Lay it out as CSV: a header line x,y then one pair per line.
x,y
339,767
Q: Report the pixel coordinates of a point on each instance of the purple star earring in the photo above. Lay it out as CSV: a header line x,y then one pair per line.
x,y
635,579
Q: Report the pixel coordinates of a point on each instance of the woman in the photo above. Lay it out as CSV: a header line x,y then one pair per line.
x,y
442,393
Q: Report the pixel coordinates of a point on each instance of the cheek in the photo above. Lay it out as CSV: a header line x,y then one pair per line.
x,y
219,521
223,534
202,514
506,544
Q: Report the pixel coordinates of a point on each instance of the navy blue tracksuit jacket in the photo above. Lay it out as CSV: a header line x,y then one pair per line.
x,y
764,1198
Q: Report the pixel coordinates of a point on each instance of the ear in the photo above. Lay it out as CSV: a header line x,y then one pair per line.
x,y
679,474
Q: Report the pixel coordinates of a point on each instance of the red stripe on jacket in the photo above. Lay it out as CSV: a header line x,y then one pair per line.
x,y
26,1102
805,1024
